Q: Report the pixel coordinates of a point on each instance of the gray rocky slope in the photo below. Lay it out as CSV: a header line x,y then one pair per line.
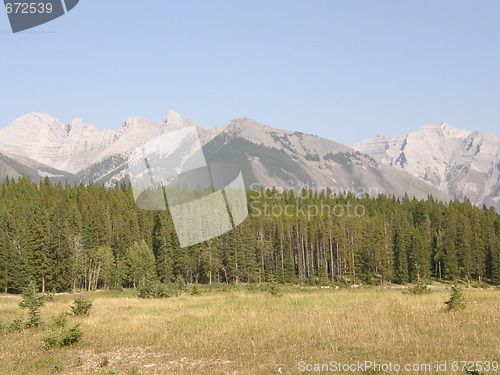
x,y
38,145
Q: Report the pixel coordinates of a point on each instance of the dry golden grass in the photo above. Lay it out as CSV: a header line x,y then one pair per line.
x,y
240,331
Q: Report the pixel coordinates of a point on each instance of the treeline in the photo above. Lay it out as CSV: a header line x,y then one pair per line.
x,y
87,237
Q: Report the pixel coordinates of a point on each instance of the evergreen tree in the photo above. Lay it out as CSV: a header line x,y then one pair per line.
x,y
139,263
66,237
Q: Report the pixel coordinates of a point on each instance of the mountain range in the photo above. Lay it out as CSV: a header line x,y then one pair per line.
x,y
438,160
462,163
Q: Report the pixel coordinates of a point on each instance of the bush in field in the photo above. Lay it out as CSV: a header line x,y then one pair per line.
x,y
419,288
82,306
33,302
61,336
149,288
194,291
16,325
59,321
65,338
181,284
457,299
273,287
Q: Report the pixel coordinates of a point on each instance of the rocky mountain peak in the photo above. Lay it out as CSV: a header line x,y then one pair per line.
x,y
173,118
77,125
443,129
459,162
454,161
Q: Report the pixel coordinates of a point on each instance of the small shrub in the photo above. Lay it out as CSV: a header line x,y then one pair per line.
x,y
117,287
63,337
33,302
149,288
194,290
181,284
103,362
272,286
274,289
457,299
419,288
50,341
59,321
78,362
479,284
16,325
82,306
71,336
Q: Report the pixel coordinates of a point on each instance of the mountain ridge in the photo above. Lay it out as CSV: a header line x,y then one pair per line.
x,y
270,157
464,164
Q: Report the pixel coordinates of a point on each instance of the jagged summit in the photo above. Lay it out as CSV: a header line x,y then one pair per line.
x,y
46,140
438,159
173,118
445,129
34,118
459,162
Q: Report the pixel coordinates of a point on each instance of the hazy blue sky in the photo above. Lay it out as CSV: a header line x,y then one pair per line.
x,y
345,70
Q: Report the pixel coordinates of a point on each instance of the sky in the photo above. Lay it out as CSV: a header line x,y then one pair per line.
x,y
346,70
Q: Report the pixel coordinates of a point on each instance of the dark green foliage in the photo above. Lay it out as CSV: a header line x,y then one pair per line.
x,y
63,337
33,302
457,299
59,321
312,157
67,238
60,336
16,325
273,288
139,263
151,288
81,307
181,284
194,290
284,140
345,158
280,164
419,288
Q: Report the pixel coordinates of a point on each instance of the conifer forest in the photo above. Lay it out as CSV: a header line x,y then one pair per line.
x,y
69,238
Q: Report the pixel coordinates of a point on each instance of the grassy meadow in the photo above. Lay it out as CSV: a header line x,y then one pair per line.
x,y
230,330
